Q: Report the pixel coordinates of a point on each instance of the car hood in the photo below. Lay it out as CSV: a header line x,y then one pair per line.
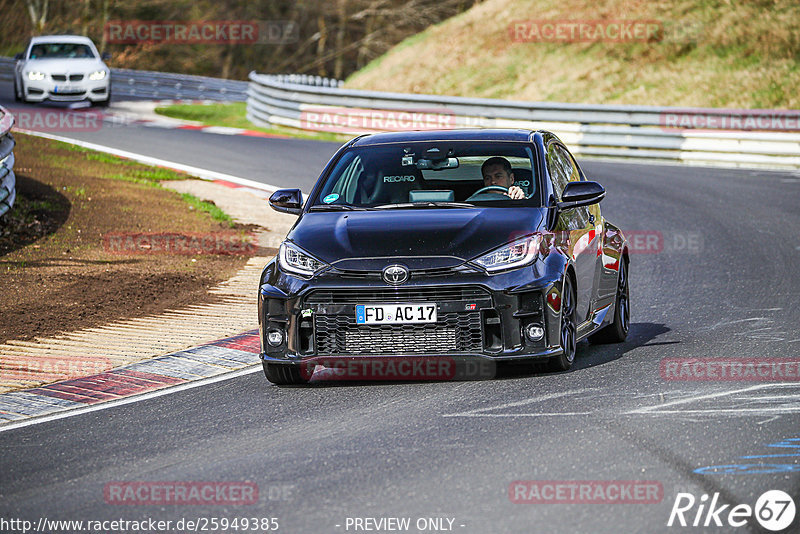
x,y
65,65
423,238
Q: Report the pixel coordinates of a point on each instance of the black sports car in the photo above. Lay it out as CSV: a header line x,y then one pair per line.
x,y
478,245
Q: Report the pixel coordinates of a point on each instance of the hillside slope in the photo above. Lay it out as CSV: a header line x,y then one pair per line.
x,y
704,53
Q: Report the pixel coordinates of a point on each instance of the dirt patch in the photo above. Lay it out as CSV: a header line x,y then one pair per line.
x,y
56,271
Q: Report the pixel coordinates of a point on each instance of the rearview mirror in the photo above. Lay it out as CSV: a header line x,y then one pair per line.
x,y
578,194
105,56
437,164
287,201
18,56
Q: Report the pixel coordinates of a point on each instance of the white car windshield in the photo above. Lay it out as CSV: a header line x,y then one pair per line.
x,y
61,51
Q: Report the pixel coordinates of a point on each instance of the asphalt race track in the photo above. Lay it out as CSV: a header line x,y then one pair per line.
x,y
718,280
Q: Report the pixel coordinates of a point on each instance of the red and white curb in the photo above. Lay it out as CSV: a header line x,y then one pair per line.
x,y
142,113
199,364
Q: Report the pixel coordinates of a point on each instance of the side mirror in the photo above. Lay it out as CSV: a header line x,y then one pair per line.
x,y
287,201
19,56
578,194
105,56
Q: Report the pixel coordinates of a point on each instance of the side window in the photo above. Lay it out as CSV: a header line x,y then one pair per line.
x,y
570,173
555,168
585,212
570,169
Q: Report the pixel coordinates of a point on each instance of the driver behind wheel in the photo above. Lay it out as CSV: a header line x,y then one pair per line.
x,y
497,171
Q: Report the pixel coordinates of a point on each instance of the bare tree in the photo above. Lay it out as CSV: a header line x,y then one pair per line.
x,y
37,9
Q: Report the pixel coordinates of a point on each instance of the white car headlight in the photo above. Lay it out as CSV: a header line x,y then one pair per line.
x,y
511,255
97,75
35,76
294,260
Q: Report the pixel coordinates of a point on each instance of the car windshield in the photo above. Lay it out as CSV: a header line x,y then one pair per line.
x,y
431,174
61,51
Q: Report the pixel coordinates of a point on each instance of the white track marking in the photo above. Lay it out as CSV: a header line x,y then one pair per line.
x,y
194,171
659,408
695,398
553,414
479,412
129,400
724,411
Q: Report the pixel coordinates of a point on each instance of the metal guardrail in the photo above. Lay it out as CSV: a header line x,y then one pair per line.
x,y
160,85
633,132
7,179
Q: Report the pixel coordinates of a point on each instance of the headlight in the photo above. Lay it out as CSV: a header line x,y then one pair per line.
x,y
514,254
294,260
35,76
97,75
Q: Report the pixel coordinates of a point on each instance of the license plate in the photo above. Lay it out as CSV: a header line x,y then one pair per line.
x,y
415,312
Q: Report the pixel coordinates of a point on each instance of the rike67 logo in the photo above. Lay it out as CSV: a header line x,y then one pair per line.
x,y
774,510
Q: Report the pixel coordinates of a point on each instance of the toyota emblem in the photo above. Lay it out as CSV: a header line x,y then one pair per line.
x,y
395,275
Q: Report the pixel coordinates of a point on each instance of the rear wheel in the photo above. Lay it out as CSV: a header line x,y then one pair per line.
x,y
283,375
568,332
617,331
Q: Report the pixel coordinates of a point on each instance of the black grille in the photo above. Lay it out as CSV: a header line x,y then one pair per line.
x,y
59,77
75,77
400,294
453,332
68,93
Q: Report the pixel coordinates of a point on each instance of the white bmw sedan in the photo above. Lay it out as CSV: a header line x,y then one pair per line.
x,y
62,68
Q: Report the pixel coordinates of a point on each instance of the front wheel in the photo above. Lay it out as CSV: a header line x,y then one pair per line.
x,y
617,331
18,93
283,375
106,102
568,332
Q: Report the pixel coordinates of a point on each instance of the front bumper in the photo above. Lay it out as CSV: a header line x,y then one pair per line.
x,y
478,316
39,91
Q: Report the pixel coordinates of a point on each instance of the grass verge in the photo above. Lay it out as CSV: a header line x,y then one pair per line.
x,y
57,270
234,115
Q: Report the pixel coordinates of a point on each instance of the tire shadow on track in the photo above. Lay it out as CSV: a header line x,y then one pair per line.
x,y
640,334
589,355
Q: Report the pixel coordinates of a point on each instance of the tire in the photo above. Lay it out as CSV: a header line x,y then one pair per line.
x,y
283,375
617,331
19,95
106,102
568,330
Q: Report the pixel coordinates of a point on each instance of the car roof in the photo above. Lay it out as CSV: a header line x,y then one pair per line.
x,y
467,134
61,39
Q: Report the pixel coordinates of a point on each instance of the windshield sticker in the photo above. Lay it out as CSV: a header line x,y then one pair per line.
x,y
333,197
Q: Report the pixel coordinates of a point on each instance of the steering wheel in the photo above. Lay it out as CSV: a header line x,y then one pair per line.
x,y
491,192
